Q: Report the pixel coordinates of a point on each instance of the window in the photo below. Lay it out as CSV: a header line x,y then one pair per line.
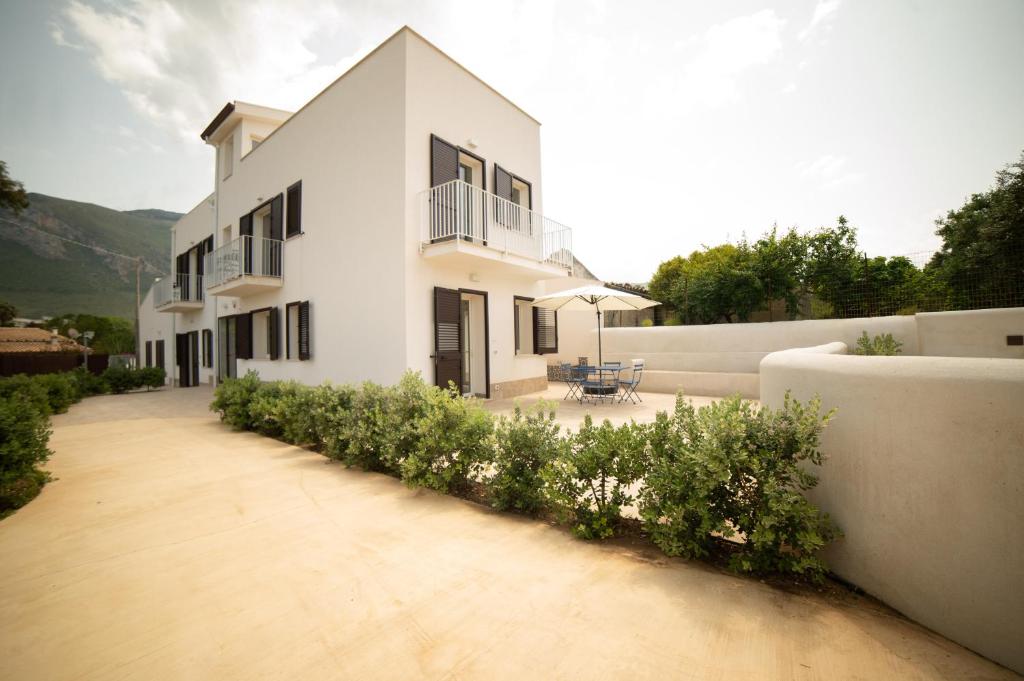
x,y
264,333
227,157
521,192
149,353
160,354
523,323
545,331
207,348
293,218
297,339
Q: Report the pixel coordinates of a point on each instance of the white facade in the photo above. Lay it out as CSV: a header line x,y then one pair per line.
x,y
376,239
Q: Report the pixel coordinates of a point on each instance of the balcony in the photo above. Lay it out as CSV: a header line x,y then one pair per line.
x,y
178,293
462,223
245,266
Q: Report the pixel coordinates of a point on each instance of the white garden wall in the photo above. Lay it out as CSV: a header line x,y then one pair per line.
x,y
925,476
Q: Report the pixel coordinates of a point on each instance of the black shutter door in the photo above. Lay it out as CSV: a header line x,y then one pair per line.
x,y
294,218
502,182
277,217
245,230
304,349
273,334
545,331
447,338
160,355
243,336
149,353
444,161
193,346
181,357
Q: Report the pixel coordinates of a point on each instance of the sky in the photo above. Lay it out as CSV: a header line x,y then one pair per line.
x,y
666,126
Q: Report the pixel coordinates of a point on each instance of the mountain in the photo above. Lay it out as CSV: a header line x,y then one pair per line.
x,y
44,276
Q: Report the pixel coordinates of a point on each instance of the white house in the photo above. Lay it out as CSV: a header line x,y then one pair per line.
x,y
394,222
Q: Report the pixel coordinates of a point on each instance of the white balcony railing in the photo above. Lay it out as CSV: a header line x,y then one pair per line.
x,y
178,288
246,256
458,210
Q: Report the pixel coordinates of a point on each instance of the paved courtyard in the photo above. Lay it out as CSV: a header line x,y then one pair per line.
x,y
170,547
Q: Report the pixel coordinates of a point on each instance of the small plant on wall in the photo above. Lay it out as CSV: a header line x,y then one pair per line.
x,y
883,344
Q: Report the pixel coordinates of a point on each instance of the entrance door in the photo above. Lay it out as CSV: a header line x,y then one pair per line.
x,y
193,357
447,338
226,340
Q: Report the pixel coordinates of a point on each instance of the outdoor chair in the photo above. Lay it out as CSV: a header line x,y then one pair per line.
x,y
629,386
574,379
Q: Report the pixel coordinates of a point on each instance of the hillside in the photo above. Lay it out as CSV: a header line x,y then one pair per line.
x,y
46,276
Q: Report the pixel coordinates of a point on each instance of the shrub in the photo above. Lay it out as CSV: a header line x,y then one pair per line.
x,y
729,468
368,430
61,391
590,481
151,377
88,383
330,419
686,483
231,399
884,344
646,323
523,445
120,379
265,409
24,434
453,443
31,389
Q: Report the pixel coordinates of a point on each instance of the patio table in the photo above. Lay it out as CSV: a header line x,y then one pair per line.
x,y
601,388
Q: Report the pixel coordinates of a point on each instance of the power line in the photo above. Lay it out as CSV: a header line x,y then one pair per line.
x,y
89,246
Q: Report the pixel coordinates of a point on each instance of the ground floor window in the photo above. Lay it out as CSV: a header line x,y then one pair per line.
x,y
523,323
265,333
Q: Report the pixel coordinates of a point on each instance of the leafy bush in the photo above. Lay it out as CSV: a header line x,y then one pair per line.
x,y
24,434
883,344
329,423
590,481
368,431
61,391
87,383
647,323
523,445
454,442
265,409
151,377
231,399
730,468
121,379
29,388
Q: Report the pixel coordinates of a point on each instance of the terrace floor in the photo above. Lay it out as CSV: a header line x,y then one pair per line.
x,y
170,547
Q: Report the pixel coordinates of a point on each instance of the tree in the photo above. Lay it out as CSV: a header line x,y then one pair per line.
x,y
113,335
710,286
778,265
981,263
12,193
7,313
830,267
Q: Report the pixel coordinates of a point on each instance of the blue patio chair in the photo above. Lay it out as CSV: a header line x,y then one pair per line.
x,y
572,379
629,386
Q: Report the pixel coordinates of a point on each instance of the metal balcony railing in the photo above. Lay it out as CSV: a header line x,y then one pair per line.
x,y
178,288
458,210
253,256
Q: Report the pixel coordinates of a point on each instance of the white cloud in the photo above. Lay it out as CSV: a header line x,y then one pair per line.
x,y
727,50
828,171
178,63
823,13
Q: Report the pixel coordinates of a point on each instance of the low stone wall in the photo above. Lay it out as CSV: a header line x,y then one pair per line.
x,y
925,476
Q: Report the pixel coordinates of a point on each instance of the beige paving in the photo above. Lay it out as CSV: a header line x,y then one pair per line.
x,y
173,548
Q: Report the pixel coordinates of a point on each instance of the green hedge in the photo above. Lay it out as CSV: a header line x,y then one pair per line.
x,y
695,475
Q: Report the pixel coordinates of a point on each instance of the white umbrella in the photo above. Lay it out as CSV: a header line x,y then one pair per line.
x,y
600,298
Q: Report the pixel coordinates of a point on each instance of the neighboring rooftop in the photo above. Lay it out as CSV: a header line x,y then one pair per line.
x,y
17,340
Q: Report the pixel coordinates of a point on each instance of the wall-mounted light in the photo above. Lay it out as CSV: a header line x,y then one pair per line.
x,y
471,143
473,276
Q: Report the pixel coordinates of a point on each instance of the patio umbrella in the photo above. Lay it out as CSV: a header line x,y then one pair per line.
x,y
599,298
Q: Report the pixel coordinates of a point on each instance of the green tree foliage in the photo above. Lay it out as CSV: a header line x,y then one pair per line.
x,y
778,264
7,313
12,192
113,335
981,263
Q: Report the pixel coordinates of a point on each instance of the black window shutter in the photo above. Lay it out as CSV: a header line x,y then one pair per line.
x,y
444,161
447,338
245,229
515,323
502,182
243,336
160,354
545,331
149,353
245,225
304,349
277,217
193,342
294,217
273,334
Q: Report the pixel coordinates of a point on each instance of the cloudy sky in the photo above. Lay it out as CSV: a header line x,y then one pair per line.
x,y
666,126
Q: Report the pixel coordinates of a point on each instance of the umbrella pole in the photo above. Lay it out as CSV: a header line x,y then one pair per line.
x,y
600,359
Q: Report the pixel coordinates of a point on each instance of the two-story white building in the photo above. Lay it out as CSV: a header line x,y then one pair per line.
x,y
394,222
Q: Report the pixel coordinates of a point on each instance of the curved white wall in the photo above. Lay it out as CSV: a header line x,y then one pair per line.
x,y
925,475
